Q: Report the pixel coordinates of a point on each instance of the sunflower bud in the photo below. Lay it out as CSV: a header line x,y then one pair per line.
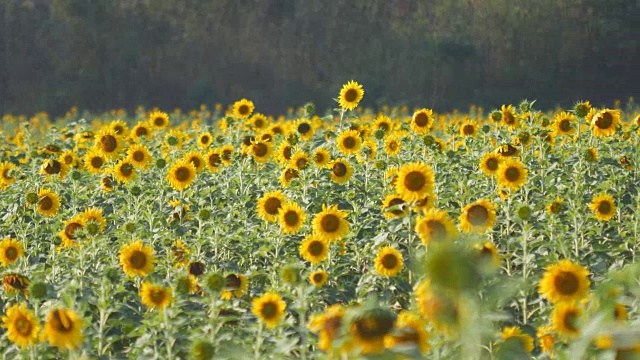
x,y
204,214
524,212
309,109
161,163
379,134
292,139
130,228
112,274
38,290
381,165
428,140
202,350
582,108
172,140
135,190
76,175
92,228
496,115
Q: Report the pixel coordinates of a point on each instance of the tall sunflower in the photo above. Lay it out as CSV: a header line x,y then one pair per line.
x,y
269,205
603,207
478,217
509,118
137,259
181,175
291,217
139,156
329,224
422,121
22,326
605,122
155,297
63,329
321,157
469,128
314,249
94,161
124,171
159,120
258,122
563,124
435,225
565,281
388,262
303,128
48,203
269,308
415,180
10,251
350,95
70,227
349,142
489,164
341,171
108,143
243,108
512,174
318,278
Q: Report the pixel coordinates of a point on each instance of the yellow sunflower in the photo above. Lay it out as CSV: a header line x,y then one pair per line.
x,y
314,249
349,142
226,152
512,174
213,160
383,123
555,207
181,175
120,128
435,225
299,160
509,118
388,262
563,124
7,174
124,171
422,121
478,217
258,122
469,128
303,128
603,207
507,151
269,308
94,161
546,339
10,251
48,203
108,143
261,151
22,326
392,145
287,175
488,254
591,154
180,253
53,167
415,180
157,119
70,227
63,329
605,122
137,259
13,282
235,285
321,157
350,95
392,200
327,325
269,205
243,108
205,139
284,153
68,158
564,282
444,313
512,333
329,224
369,329
94,214
291,217
425,203
139,156
141,130
318,278
565,319
341,171
409,330
196,159
155,297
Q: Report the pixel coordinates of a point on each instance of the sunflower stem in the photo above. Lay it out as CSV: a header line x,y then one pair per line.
x,y
258,344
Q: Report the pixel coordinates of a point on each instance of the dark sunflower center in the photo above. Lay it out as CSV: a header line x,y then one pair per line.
x,y
556,207
108,143
291,218
371,328
23,326
126,170
272,205
53,167
11,253
138,155
247,140
349,142
258,123
290,174
415,181
339,169
317,278
330,223
243,110
70,230
232,282
394,202
570,320
260,149
604,121
565,125
138,259
351,95
182,174
266,137
566,283
393,146
316,248
421,119
477,215
492,164
331,325
6,175
286,152
486,251
512,174
304,128
214,160
142,131
157,296
159,121
604,207
269,310
195,161
383,126
118,129
302,163
45,203
61,321
468,130
205,139
68,159
389,261
508,118
437,230
96,162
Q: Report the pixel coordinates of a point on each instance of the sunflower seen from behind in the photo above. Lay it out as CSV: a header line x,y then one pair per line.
x,y
269,309
63,329
22,325
565,281
291,217
478,217
155,296
137,259
415,180
330,224
350,95
314,249
10,251
603,206
181,175
388,262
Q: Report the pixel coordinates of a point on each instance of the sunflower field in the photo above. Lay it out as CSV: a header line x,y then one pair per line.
x,y
223,233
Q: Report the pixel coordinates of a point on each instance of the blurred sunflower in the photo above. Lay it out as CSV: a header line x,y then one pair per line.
x,y
63,329
226,152
139,156
415,180
7,174
513,333
258,122
383,123
392,145
72,225
141,130
512,174
243,108
509,117
488,254
291,217
444,313
422,121
409,331
605,122
341,171
393,200
235,285
287,175
13,282
603,207
120,128
388,262
329,224
48,203
53,167
155,297
469,128
22,326
318,278
478,217
563,124
546,339
269,309
369,327
205,139
565,281
427,202
314,249
159,120
269,205
565,318
349,142
435,225
137,259
10,251
350,95
591,154
180,253
555,207
181,175
321,157
213,160
303,128
68,158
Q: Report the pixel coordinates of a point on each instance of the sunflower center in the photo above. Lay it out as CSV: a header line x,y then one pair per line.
x,y
232,282
182,174
157,296
269,310
393,146
138,259
70,229
142,131
477,215
226,154
555,207
23,326
331,325
394,202
304,128
61,322
317,278
290,174
421,119
247,140
566,282
108,143
371,328
53,167
604,207
570,320
351,95
68,159
45,203
138,155
118,129
258,123
383,126
205,139
339,169
195,161
316,248
330,223
415,181
96,162
389,261
512,174
272,205
302,163
126,169
159,121
468,130
349,142
492,164
286,152
291,218
437,230
565,125
6,175
11,253
243,110
604,121
260,149
214,160
508,118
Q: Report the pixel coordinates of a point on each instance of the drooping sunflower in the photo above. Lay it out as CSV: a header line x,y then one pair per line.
x,y
269,205
605,122
314,249
563,124
124,171
108,143
70,227
318,278
198,161
159,120
478,217
287,175
48,203
53,167
261,151
514,333
409,330
350,95
7,174
63,329
13,282
235,285
181,175
489,164
22,326
94,161
139,156
369,328
422,121
349,142
390,201
269,309
321,157
341,171
330,223
243,108
10,251
140,131
205,139
388,262
383,123
565,319
512,174
603,207
392,145
299,160
137,259
565,281
154,296
469,128
509,118
415,180
291,217
435,225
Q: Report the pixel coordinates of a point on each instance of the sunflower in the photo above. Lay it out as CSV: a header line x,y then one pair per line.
x,y
10,251
299,160
48,203
478,217
173,139
63,329
350,95
388,262
314,249
422,121
563,124
435,225
488,254
258,122
155,297
564,282
291,217
94,161
392,145
509,117
226,152
425,203
54,167
213,160
204,140
140,130
507,151
349,142
415,180
68,158
269,308
284,153
321,157
391,201
181,175
267,136
303,128
120,128
108,143
137,259
261,151
409,330
235,285
13,282
469,128
605,122
512,174
591,154
287,175
180,253
7,174
107,182
369,328
565,318
603,207
70,227
329,224
22,326
139,156
94,214
341,171
158,119
269,205
546,339
243,108
124,171
444,313
196,159
513,333
327,325
318,278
